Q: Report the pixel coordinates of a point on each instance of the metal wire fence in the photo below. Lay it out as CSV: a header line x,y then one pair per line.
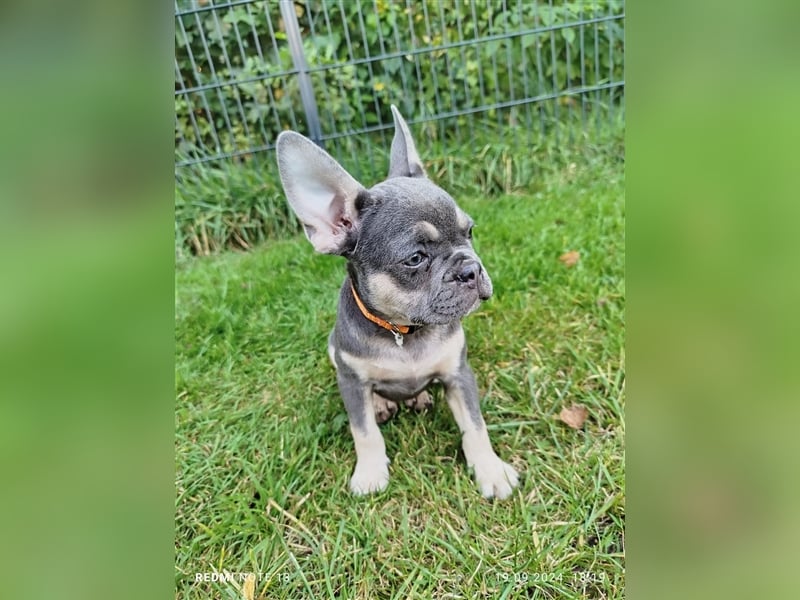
x,y
458,69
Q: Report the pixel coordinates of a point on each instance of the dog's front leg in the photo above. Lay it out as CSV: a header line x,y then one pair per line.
x,y
372,465
494,477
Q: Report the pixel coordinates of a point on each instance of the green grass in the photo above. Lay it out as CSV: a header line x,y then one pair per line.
x,y
238,206
264,453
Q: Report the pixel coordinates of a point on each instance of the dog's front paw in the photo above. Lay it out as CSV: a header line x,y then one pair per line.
x,y
495,478
369,477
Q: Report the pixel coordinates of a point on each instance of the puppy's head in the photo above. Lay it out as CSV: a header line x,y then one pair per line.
x,y
408,245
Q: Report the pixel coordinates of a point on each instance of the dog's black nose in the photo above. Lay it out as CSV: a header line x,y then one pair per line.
x,y
469,273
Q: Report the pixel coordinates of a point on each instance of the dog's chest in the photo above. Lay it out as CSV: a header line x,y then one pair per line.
x,y
408,367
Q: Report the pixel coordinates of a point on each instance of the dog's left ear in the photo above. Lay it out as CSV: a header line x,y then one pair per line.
x,y
404,161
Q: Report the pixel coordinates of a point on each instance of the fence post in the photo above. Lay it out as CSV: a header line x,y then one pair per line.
x,y
299,59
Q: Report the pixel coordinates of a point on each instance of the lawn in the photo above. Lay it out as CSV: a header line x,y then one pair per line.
x,y
264,453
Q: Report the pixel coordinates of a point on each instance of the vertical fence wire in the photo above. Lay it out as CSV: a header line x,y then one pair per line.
x,y
582,38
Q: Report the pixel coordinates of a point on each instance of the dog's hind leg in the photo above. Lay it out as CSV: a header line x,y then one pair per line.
x,y
385,409
420,402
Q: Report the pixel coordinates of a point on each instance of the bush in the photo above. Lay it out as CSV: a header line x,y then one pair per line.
x,y
406,57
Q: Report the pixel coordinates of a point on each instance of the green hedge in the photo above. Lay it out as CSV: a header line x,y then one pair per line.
x,y
251,113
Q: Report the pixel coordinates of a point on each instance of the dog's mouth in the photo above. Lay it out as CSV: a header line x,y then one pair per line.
x,y
463,291
451,304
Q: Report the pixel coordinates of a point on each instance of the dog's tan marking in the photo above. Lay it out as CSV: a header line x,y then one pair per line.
x,y
396,363
429,230
390,301
372,465
332,355
494,477
462,219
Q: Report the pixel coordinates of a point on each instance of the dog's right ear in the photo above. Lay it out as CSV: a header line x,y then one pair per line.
x,y
321,193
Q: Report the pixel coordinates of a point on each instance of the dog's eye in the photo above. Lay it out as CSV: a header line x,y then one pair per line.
x,y
469,233
415,259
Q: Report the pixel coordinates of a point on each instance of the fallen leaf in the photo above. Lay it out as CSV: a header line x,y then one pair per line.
x,y
574,416
570,258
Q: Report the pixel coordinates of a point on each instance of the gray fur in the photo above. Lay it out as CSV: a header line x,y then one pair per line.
x,y
410,258
404,161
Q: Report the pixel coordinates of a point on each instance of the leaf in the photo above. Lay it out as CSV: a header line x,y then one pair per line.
x,y
574,416
238,15
392,65
527,40
570,259
547,15
569,35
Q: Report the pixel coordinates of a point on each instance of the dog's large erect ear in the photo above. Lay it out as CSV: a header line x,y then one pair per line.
x,y
321,193
404,161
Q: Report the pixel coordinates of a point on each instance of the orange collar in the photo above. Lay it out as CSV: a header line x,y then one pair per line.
x,y
397,330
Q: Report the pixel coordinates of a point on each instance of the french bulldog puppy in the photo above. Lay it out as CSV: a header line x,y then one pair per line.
x,y
412,275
